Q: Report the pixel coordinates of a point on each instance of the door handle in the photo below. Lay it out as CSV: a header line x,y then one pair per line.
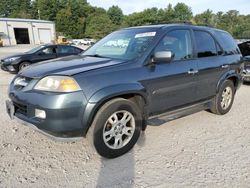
x,y
224,66
193,71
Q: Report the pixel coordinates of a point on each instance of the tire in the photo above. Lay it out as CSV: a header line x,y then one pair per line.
x,y
23,65
222,105
111,135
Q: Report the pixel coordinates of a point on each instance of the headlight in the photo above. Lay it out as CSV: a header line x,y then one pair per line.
x,y
11,59
57,84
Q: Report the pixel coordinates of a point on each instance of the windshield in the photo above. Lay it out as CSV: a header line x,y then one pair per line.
x,y
124,45
33,50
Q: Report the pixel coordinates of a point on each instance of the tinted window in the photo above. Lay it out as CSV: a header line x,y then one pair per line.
x,y
178,42
205,44
49,50
227,42
245,48
66,50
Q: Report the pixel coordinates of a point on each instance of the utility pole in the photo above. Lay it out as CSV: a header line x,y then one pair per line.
x,y
39,17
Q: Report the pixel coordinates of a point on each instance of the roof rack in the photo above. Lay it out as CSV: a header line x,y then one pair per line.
x,y
206,25
174,22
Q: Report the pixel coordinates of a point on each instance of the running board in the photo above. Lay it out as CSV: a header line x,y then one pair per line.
x,y
175,114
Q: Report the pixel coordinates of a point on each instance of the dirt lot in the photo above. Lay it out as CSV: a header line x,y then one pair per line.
x,y
200,150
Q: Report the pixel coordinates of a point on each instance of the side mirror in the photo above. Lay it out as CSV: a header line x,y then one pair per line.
x,y
163,57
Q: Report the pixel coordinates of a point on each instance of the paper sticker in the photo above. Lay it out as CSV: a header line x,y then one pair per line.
x,y
148,34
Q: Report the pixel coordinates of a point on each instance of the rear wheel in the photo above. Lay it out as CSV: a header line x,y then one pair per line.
x,y
116,128
223,101
23,65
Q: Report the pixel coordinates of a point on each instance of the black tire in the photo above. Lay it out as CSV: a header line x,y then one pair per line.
x,y
23,65
96,131
217,107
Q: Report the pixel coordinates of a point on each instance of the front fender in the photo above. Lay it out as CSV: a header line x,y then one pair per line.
x,y
103,95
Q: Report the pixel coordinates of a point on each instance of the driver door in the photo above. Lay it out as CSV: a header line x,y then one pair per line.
x,y
173,84
45,54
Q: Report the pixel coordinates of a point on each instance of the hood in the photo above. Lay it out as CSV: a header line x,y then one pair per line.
x,y
15,55
69,65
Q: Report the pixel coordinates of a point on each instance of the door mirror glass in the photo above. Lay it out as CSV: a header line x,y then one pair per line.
x,y
163,57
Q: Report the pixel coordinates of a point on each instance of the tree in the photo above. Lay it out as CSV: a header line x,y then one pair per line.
x,y
115,15
205,18
98,25
71,20
15,8
182,12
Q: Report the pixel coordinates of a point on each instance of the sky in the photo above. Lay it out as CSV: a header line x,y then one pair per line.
x,y
198,6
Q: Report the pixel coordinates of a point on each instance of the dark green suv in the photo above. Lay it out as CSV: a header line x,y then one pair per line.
x,y
110,91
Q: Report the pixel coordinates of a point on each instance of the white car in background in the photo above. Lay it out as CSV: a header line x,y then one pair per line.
x,y
84,41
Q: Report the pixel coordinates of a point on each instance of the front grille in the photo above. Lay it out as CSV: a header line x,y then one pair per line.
x,y
20,108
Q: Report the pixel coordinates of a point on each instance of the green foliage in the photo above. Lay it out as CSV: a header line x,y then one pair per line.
x,y
78,19
99,25
182,12
15,8
115,15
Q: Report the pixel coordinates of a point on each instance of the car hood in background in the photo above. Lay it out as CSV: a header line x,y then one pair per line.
x,y
67,66
15,55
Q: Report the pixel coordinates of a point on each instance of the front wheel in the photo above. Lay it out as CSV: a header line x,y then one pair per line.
x,y
23,65
116,128
223,101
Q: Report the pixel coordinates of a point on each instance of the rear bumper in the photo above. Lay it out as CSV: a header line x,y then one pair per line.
x,y
64,112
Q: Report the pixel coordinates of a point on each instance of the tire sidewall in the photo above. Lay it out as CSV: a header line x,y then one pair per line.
x,y
100,120
225,84
21,64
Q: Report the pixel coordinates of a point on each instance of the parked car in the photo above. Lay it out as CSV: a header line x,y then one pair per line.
x,y
108,93
17,62
245,50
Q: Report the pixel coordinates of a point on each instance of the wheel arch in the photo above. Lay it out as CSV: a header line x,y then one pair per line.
x,y
233,76
133,92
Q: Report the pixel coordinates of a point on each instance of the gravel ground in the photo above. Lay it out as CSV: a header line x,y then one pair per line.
x,y
200,150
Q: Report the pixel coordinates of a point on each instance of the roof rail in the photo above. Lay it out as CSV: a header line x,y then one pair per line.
x,y
206,25
174,22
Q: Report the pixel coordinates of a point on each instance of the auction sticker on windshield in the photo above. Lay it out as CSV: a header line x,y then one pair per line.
x,y
148,34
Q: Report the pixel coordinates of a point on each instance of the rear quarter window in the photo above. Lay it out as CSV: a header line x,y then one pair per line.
x,y
227,43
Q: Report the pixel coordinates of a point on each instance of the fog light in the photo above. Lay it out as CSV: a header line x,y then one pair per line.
x,y
40,113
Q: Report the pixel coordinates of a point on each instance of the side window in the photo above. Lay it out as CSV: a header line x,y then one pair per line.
x,y
77,50
205,44
66,50
49,50
227,42
178,42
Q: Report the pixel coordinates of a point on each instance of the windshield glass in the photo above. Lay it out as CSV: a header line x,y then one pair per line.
x,y
33,50
124,45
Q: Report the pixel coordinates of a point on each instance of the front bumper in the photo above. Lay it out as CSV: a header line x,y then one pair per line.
x,y
64,112
8,68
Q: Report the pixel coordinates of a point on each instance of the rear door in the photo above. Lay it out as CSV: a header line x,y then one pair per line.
x,y
212,63
173,84
67,50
